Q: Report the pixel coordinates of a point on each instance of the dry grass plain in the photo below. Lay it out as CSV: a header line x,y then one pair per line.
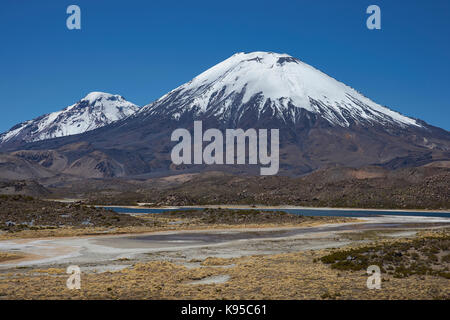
x,y
298,275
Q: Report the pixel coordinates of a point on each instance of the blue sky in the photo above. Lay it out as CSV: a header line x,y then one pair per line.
x,y
143,49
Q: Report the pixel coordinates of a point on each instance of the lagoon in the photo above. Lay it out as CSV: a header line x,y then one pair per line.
x,y
305,212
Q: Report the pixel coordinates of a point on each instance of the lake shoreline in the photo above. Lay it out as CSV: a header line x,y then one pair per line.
x,y
247,207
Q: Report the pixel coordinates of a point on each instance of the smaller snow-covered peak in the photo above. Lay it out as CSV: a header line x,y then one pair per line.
x,y
95,110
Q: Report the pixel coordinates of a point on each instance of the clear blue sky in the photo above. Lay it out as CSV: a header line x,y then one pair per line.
x,y
143,49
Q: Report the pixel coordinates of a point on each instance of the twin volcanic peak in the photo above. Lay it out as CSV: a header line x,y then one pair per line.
x,y
322,123
253,84
96,110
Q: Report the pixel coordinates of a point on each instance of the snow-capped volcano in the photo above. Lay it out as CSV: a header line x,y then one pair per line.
x,y
322,123
95,110
272,84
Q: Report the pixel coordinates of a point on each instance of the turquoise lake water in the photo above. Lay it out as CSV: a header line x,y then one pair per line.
x,y
305,212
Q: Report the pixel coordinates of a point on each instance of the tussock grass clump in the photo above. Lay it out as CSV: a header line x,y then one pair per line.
x,y
423,256
216,261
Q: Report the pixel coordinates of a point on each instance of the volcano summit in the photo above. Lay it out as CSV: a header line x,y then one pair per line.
x,y
272,84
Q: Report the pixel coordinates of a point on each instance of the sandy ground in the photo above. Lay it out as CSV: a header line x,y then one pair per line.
x,y
186,246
